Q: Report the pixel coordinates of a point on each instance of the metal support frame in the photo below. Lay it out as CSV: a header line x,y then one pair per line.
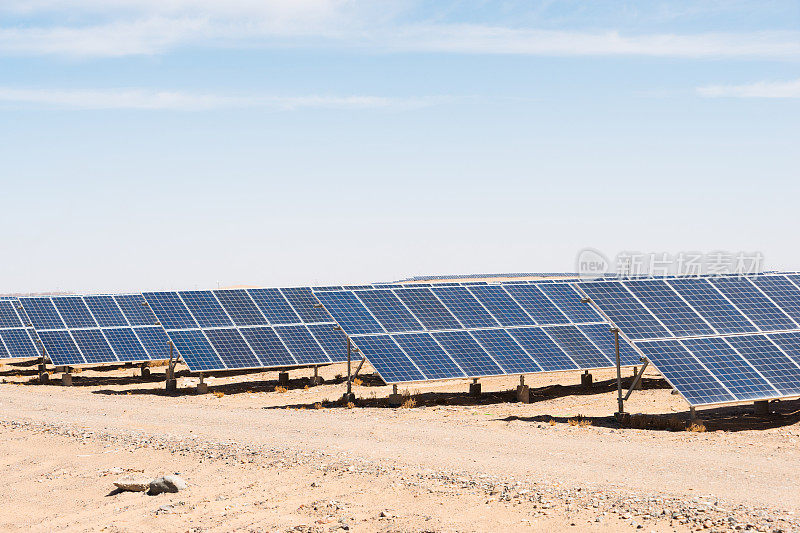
x,y
171,382
349,396
620,400
358,368
636,379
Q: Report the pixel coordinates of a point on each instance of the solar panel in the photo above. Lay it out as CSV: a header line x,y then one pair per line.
x,y
74,312
170,310
580,348
136,310
463,305
543,349
781,291
428,355
59,343
669,308
240,307
305,304
8,315
467,353
105,311
506,351
753,304
333,341
428,309
536,304
125,341
495,299
19,343
205,309
274,306
388,310
42,313
155,342
388,359
302,344
789,343
624,310
266,345
568,300
350,313
712,306
232,348
195,349
602,337
767,358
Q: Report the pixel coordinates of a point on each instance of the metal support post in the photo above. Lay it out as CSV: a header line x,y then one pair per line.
x,y
620,401
202,387
171,382
637,378
349,396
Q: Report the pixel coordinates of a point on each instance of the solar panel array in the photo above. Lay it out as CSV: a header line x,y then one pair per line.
x,y
249,328
80,330
445,331
715,339
17,340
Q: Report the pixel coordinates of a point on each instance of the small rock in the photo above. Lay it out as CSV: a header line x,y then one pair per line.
x,y
133,483
166,484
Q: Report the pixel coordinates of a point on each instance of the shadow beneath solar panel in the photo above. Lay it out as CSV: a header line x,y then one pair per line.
x,y
20,368
81,379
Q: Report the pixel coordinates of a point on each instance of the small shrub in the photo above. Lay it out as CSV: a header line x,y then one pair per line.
x,y
552,422
350,405
697,427
305,387
409,403
357,381
581,421
219,394
318,405
281,389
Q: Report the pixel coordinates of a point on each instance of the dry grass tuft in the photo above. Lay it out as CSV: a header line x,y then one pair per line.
x,y
641,421
350,405
357,381
409,403
697,427
281,389
580,421
318,405
219,394
305,387
552,422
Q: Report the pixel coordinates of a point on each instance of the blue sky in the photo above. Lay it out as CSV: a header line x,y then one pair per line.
x,y
151,144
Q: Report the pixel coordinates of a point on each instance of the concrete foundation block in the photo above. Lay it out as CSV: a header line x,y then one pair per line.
x,y
316,380
395,400
66,380
586,380
523,394
761,407
202,388
348,398
44,377
145,372
172,385
283,379
475,389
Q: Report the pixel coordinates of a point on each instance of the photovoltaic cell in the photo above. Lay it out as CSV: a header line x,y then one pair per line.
x,y
93,345
136,310
501,305
505,350
729,368
105,311
623,310
240,307
754,304
155,342
304,302
601,336
19,343
428,309
389,311
789,342
206,309
543,349
669,308
195,350
350,313
685,373
124,341
767,358
42,313
302,344
467,353
267,346
8,315
61,342
334,342
170,311
74,312
579,348
536,304
711,305
782,291
274,306
232,348
388,359
465,307
428,355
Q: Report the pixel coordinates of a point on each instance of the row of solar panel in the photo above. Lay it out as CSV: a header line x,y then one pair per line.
x,y
249,328
688,307
709,370
407,357
375,311
16,339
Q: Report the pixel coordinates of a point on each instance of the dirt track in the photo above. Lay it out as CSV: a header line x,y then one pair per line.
x,y
449,464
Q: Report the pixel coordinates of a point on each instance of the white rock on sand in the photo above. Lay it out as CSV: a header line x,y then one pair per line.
x,y
166,484
133,483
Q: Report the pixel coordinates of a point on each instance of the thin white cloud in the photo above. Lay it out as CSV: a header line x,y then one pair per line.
x,y
154,34
762,89
141,99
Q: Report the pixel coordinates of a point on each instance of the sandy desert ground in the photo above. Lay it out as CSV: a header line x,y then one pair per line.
x,y
257,459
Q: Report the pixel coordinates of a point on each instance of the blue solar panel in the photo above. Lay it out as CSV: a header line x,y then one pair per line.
x,y
302,345
543,349
8,315
126,344
623,310
465,307
580,348
754,304
42,313
568,300
388,360
467,353
240,307
428,309
603,338
501,305
74,312
389,311
788,341
105,311
669,308
729,368
505,350
93,346
428,355
333,341
232,348
536,304
171,312
195,350
685,373
267,346
206,309
3,350
155,341
274,306
304,302
712,306
350,313
19,343
60,348
781,291
136,310
767,358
